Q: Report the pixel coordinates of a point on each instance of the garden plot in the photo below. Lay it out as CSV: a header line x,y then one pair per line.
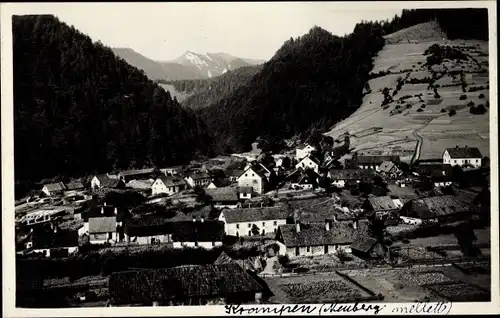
x,y
460,292
424,278
434,149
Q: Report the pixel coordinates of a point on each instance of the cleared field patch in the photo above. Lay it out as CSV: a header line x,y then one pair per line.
x,y
460,292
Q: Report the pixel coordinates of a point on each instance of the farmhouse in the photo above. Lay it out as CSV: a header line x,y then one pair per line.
x,y
149,230
252,221
199,179
304,179
251,263
53,188
104,181
74,186
168,185
389,168
104,224
282,161
223,197
171,171
254,177
435,209
366,247
340,177
142,174
235,174
245,193
381,206
301,153
206,234
462,157
315,238
370,162
309,162
405,193
50,238
184,285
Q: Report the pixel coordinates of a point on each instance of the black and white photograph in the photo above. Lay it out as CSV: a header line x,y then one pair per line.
x,y
253,154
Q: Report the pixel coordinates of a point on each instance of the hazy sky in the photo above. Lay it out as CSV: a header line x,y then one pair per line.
x,y
164,31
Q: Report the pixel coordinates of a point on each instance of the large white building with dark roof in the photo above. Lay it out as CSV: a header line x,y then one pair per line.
x,y
462,156
245,222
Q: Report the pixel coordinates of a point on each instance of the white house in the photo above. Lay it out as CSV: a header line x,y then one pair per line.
x,y
316,238
102,225
105,181
199,179
226,197
309,162
168,185
301,153
253,177
435,209
252,221
53,188
340,177
462,156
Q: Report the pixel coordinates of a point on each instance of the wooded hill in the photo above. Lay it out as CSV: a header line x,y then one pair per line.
x,y
79,109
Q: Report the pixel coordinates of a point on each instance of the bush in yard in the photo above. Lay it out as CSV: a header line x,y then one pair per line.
x,y
436,96
420,110
463,97
470,104
481,95
422,106
452,112
443,110
342,256
283,260
479,110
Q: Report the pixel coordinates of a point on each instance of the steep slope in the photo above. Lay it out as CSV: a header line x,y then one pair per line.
x,y
197,94
312,81
79,109
436,90
156,70
212,64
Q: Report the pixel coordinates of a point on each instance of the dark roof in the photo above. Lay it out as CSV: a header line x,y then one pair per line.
x,y
199,176
254,214
308,176
138,172
382,203
104,224
314,234
434,169
466,196
237,173
387,166
465,152
245,190
209,281
351,174
227,194
314,159
364,244
44,237
171,181
153,225
375,159
109,211
110,182
432,207
406,192
75,185
59,186
259,170
189,231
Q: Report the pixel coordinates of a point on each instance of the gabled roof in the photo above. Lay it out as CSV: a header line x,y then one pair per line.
x,y
110,182
313,158
351,174
387,166
145,286
432,207
138,172
245,190
237,173
375,159
227,194
200,176
171,181
309,176
258,170
109,211
315,234
102,224
364,244
382,203
59,186
254,214
75,185
207,231
45,237
465,152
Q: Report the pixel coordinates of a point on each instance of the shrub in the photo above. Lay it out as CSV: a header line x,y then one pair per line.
x,y
452,112
463,97
481,95
395,93
408,106
420,110
436,96
443,110
470,104
478,110
422,106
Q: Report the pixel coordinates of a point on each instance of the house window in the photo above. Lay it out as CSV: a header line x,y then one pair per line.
x,y
249,225
196,243
213,243
275,222
308,249
237,226
246,174
263,223
249,233
303,165
454,161
253,175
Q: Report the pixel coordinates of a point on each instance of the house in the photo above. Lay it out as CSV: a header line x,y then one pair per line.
x,y
206,234
462,157
389,168
251,263
262,169
235,174
199,179
104,224
254,177
226,197
366,247
51,189
74,186
149,230
104,181
440,180
381,206
184,285
301,153
370,162
309,162
252,221
341,177
304,179
283,161
142,174
245,193
315,238
171,171
49,239
168,185
405,193
435,209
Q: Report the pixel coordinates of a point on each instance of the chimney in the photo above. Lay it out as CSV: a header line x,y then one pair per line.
x,y
297,226
327,225
102,209
116,211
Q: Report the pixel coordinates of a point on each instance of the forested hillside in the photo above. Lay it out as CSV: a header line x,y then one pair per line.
x,y
209,91
317,79
79,109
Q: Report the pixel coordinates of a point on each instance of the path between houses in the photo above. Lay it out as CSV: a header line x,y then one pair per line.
x,y
418,147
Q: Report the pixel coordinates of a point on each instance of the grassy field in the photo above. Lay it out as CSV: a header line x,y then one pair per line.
x,y
402,116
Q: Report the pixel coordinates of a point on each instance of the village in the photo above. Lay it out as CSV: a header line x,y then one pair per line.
x,y
263,227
